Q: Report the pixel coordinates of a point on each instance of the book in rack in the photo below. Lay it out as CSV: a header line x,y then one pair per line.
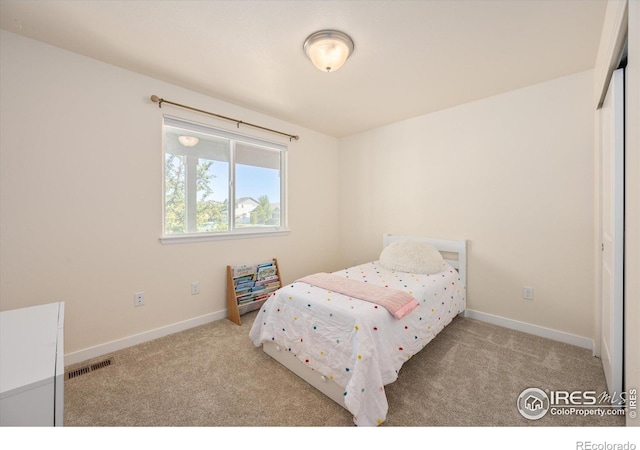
x,y
249,286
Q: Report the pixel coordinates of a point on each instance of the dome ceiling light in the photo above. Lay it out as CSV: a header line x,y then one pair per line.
x,y
328,49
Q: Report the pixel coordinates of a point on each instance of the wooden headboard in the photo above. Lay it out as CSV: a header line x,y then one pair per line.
x,y
454,252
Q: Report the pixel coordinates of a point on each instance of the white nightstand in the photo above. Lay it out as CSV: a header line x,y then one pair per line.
x,y
32,366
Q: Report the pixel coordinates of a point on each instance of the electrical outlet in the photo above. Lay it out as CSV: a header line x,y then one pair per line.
x,y
138,299
195,287
527,293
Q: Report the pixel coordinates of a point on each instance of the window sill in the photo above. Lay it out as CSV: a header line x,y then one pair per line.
x,y
204,237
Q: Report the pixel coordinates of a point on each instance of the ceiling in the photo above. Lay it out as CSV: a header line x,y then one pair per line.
x,y
410,58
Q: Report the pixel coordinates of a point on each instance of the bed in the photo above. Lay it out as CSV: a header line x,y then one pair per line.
x,y
349,347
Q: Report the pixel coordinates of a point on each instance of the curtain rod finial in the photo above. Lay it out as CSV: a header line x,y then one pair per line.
x,y
158,100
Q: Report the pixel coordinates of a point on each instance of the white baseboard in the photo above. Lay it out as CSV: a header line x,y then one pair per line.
x,y
109,347
536,330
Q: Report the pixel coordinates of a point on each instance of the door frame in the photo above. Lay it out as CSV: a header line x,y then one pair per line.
x,y
617,247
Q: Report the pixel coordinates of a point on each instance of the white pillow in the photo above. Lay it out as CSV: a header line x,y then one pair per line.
x,y
413,256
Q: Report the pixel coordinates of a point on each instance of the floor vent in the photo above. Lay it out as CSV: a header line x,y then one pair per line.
x,y
88,368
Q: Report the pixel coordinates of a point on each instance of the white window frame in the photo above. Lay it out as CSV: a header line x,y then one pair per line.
x,y
233,232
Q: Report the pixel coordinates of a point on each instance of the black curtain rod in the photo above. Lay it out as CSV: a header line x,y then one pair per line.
x,y
160,101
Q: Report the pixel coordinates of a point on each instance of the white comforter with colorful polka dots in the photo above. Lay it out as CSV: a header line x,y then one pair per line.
x,y
356,343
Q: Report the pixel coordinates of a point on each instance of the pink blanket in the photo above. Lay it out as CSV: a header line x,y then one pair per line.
x,y
397,302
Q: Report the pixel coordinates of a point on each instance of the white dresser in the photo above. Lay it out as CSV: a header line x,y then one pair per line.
x,y
32,366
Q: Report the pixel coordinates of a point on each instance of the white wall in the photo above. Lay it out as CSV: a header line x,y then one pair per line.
x,y
513,174
81,206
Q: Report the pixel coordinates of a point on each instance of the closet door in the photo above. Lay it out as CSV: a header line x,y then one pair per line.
x,y
612,227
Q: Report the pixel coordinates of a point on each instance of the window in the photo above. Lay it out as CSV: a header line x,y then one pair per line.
x,y
218,183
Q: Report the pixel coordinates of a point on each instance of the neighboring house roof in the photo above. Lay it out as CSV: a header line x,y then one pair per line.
x,y
247,200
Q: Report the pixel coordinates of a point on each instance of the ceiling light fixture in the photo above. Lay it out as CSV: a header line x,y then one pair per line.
x,y
328,49
188,141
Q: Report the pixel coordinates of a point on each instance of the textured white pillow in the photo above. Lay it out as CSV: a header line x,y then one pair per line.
x,y
411,255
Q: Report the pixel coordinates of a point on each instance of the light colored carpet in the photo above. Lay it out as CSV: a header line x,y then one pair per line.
x,y
212,376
